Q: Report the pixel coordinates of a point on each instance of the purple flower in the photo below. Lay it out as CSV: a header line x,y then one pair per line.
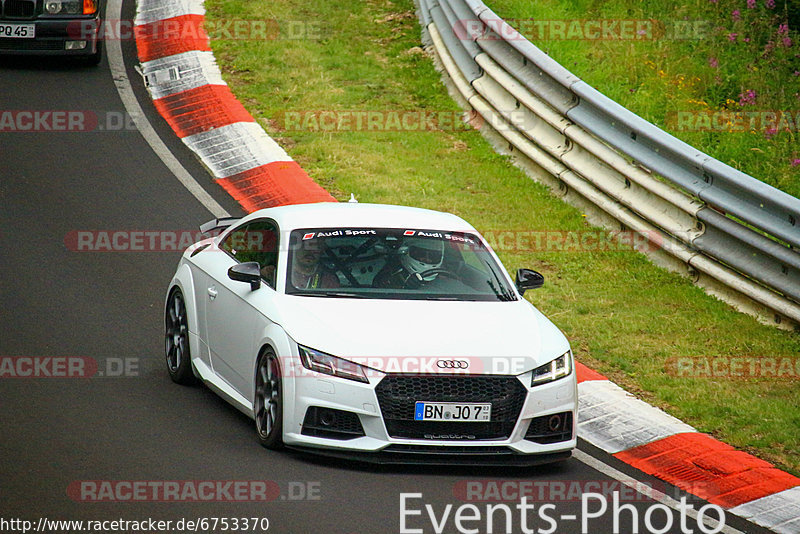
x,y
770,4
737,15
732,36
796,73
783,29
796,162
748,97
713,62
770,132
787,42
746,39
751,4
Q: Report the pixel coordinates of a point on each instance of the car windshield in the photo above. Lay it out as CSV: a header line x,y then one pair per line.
x,y
404,263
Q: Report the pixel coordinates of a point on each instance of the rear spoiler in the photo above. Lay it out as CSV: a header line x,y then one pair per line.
x,y
218,224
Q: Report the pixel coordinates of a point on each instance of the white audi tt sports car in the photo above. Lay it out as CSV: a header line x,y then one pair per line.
x,y
381,333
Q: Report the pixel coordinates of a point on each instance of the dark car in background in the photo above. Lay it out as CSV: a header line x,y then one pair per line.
x,y
51,27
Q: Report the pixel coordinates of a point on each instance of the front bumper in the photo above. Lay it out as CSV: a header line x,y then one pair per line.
x,y
52,36
305,389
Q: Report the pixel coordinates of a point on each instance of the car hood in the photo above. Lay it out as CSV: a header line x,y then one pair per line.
x,y
412,335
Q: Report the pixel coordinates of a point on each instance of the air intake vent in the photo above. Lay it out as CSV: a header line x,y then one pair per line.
x,y
332,424
550,428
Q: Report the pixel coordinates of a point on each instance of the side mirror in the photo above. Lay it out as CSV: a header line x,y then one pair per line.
x,y
528,279
246,272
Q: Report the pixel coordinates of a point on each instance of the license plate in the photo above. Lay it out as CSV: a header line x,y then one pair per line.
x,y
453,411
18,31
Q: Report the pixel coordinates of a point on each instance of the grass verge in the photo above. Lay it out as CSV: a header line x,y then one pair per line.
x,y
698,58
624,316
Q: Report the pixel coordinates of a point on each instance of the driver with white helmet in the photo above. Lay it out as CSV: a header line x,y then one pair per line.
x,y
417,257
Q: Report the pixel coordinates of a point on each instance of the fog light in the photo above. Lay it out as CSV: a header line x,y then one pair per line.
x,y
327,417
554,423
53,7
75,45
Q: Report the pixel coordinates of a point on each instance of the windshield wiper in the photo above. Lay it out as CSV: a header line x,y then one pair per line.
x,y
332,294
500,290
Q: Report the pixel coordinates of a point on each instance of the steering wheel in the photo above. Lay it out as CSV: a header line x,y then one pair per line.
x,y
341,266
416,280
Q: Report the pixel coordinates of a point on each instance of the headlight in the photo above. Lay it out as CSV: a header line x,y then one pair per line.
x,y
331,365
63,7
558,368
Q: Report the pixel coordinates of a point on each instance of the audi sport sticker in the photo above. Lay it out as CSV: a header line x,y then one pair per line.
x,y
349,232
442,235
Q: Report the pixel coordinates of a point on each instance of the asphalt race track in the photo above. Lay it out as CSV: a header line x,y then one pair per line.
x,y
129,422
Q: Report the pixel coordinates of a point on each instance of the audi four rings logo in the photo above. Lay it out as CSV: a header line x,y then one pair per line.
x,y
452,364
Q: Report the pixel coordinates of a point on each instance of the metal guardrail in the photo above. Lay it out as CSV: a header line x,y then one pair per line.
x,y
738,236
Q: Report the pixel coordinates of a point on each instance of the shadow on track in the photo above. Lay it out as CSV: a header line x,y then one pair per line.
x,y
45,63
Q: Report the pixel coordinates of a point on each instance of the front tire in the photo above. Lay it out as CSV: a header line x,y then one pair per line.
x,y
176,337
268,402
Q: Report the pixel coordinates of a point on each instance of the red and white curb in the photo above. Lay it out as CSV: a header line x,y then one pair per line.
x,y
658,444
187,88
188,91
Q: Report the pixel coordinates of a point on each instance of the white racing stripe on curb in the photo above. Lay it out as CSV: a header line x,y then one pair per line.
x,y
614,420
235,148
779,512
181,72
154,11
638,486
117,65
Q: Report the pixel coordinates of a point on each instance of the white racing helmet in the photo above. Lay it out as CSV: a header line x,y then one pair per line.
x,y
420,255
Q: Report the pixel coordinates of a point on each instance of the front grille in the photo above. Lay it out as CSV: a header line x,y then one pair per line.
x,y
397,395
332,424
550,428
19,8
